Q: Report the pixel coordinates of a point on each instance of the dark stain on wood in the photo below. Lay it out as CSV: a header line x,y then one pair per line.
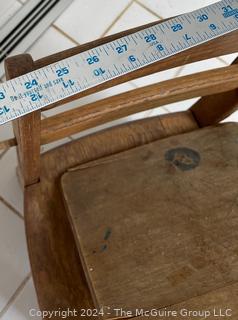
x,y
184,159
180,275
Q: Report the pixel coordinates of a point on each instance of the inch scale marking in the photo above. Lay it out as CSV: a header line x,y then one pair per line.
x,y
88,69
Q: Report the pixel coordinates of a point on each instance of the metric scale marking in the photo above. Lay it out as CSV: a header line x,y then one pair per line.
x,y
90,68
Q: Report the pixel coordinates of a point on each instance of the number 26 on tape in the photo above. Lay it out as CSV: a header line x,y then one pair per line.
x,y
92,60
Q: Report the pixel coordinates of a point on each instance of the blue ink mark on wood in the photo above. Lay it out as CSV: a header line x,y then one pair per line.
x,y
107,234
103,248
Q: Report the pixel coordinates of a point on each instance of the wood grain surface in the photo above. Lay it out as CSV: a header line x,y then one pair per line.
x,y
157,225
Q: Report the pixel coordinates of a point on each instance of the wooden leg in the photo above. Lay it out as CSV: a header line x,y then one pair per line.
x,y
27,128
215,108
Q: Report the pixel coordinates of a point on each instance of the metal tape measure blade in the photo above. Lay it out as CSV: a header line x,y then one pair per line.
x,y
80,72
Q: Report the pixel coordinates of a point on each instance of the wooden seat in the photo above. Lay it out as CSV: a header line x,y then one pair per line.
x,y
55,260
152,225
50,239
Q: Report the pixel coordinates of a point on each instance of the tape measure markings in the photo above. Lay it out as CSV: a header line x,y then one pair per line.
x,y
90,68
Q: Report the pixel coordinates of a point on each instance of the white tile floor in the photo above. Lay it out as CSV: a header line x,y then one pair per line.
x,y
8,8
84,20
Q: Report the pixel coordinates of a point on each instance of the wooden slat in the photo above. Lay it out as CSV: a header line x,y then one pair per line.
x,y
27,128
8,143
217,47
94,114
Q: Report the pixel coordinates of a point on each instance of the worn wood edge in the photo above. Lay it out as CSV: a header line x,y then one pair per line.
x,y
187,124
82,260
41,275
156,95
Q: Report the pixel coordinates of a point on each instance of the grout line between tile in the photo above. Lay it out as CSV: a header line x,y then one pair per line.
x,y
167,110
134,85
3,152
9,206
178,72
223,61
148,9
152,110
117,18
15,295
65,34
